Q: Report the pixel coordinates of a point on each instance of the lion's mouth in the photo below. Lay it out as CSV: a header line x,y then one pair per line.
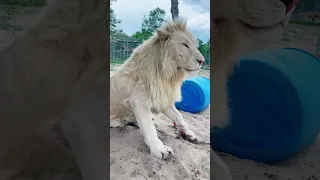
x,y
190,70
257,28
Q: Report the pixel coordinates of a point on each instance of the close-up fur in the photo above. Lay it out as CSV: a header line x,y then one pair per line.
x,y
149,82
51,90
239,27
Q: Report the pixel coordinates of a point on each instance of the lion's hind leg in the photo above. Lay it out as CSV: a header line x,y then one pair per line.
x,y
122,121
116,122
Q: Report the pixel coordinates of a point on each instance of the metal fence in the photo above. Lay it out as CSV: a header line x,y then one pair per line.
x,y
120,50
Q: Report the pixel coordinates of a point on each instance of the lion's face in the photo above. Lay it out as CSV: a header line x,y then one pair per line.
x,y
184,51
260,21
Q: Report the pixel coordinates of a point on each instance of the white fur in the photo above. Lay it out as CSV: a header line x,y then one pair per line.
x,y
150,80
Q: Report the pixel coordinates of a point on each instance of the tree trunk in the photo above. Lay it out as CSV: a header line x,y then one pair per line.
x,y
174,9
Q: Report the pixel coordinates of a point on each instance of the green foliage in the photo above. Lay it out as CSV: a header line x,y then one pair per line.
x,y
121,35
26,3
142,35
204,48
149,24
154,20
113,23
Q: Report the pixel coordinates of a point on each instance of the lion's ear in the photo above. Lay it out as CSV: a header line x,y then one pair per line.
x,y
163,35
54,35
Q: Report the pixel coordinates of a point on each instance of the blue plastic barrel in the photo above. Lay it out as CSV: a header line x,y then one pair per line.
x,y
195,94
274,99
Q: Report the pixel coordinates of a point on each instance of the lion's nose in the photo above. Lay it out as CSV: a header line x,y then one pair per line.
x,y
200,61
290,4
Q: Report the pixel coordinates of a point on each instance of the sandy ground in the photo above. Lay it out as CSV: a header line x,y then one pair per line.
x,y
130,157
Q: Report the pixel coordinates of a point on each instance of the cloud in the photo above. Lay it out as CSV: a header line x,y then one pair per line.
x,y
197,13
204,4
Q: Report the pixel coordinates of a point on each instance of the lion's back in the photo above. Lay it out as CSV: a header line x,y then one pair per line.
x,y
121,85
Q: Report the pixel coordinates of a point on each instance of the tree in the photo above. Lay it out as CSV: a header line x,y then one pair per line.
x,y
204,48
150,23
174,9
154,19
142,35
113,22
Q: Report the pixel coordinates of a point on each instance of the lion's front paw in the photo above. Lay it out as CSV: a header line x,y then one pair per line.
x,y
162,152
188,135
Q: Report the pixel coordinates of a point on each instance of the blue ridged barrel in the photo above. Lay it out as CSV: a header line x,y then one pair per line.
x,y
195,94
274,99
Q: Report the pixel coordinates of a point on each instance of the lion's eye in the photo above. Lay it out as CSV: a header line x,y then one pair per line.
x,y
186,45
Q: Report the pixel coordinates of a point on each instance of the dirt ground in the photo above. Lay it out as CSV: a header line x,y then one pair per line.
x,y
299,36
130,157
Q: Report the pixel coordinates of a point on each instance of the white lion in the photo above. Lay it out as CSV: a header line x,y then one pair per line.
x,y
239,26
150,81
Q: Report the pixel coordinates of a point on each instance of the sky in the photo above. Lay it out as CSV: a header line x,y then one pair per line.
x,y
196,12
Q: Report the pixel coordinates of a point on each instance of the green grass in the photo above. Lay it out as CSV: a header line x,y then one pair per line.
x,y
204,68
26,3
115,62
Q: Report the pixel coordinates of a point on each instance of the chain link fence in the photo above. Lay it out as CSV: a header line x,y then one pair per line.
x,y
120,50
